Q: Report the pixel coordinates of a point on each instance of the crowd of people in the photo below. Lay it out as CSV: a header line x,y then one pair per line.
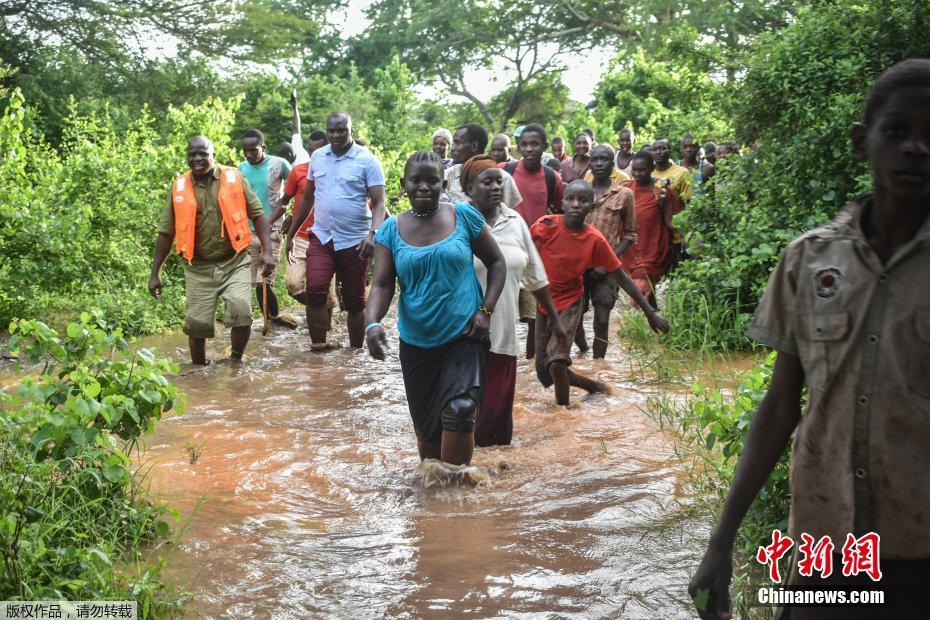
x,y
521,231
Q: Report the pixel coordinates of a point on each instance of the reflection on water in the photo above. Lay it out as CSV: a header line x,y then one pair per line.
x,y
317,506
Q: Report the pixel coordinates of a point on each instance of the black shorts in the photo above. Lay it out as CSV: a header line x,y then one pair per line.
x,y
433,377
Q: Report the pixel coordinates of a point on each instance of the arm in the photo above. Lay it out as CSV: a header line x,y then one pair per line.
x,y
656,321
769,433
295,118
300,214
279,209
378,213
379,300
488,252
263,230
162,249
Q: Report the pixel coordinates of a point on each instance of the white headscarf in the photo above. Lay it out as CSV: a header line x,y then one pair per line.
x,y
445,133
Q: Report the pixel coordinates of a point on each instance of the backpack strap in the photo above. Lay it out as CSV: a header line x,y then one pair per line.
x,y
550,188
511,167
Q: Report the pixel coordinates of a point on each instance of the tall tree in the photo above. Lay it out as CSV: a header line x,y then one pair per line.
x,y
442,42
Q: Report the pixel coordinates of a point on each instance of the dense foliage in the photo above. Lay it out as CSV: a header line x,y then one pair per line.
x,y
803,89
72,514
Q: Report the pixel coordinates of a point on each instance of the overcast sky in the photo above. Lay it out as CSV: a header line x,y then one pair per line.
x,y
581,74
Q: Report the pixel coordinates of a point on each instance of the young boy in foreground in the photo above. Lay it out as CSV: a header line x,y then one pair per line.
x,y
848,310
568,248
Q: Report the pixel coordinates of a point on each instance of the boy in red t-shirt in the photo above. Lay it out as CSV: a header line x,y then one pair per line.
x,y
568,248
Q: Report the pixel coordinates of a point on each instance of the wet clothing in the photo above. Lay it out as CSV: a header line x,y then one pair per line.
x,y
649,256
435,376
439,290
295,186
524,269
567,254
548,347
324,262
205,284
340,186
861,330
267,179
494,426
210,245
295,272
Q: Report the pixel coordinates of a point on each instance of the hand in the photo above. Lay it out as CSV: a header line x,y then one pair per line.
x,y
366,249
663,195
710,586
479,327
293,97
286,224
377,341
289,246
155,286
657,323
267,263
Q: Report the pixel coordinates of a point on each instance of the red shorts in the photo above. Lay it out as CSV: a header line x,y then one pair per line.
x,y
323,261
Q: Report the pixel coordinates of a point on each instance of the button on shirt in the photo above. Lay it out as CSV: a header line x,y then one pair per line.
x,y
861,329
524,266
341,213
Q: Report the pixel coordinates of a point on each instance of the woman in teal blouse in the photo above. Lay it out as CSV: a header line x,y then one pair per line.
x,y
442,316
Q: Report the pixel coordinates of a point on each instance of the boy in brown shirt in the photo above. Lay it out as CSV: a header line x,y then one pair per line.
x,y
848,310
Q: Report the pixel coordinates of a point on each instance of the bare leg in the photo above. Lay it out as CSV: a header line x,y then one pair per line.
x,y
198,350
239,338
601,326
581,340
356,324
429,449
586,383
530,338
318,323
457,448
560,378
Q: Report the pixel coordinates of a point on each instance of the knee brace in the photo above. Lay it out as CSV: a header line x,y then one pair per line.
x,y
458,416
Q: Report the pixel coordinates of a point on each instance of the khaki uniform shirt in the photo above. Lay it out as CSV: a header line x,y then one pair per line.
x,y
614,214
209,245
861,329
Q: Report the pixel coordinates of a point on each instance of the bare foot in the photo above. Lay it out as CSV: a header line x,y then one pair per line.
x,y
324,346
599,387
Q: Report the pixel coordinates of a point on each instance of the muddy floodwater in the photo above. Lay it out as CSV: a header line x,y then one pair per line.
x,y
311,505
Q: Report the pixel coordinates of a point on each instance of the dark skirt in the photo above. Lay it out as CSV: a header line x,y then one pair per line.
x,y
495,418
433,377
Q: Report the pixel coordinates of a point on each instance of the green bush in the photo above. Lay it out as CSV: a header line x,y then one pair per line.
x,y
73,517
803,88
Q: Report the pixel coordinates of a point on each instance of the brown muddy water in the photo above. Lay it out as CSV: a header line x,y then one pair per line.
x,y
312,507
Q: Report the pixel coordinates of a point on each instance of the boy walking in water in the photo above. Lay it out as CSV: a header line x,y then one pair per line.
x,y
568,248
848,310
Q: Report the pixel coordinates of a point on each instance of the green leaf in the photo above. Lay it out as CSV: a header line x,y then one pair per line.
x,y
114,473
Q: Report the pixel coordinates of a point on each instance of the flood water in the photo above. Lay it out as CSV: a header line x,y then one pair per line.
x,y
311,507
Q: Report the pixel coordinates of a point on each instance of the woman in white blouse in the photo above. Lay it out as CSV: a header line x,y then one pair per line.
x,y
482,180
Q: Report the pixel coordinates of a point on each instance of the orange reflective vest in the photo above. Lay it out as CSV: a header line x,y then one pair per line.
x,y
233,207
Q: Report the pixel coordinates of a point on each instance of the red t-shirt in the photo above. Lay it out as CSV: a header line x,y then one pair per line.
x,y
532,186
567,254
295,186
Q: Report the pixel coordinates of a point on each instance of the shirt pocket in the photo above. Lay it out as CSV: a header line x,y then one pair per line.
x,y
918,377
352,177
821,336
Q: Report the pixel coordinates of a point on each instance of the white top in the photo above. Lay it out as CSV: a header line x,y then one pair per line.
x,y
524,266
455,193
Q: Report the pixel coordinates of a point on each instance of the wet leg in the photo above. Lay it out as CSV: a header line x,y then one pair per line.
x,y
601,327
356,325
457,448
560,378
586,383
429,449
318,323
198,350
581,341
239,338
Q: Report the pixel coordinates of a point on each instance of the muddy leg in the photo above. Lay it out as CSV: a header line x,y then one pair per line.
x,y
586,383
198,350
457,448
560,378
239,338
429,449
601,327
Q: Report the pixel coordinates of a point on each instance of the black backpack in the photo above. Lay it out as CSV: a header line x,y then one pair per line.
x,y
511,167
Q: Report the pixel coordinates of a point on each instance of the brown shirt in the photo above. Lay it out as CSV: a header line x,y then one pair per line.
x,y
861,329
614,214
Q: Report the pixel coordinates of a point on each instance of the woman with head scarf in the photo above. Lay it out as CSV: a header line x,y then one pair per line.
x,y
482,180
